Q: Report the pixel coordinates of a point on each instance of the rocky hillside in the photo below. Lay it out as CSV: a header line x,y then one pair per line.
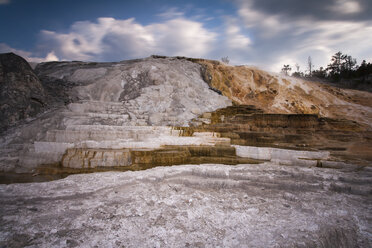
x,y
154,91
276,93
298,149
109,105
103,112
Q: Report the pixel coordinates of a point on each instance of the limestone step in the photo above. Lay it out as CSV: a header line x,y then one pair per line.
x,y
111,116
8,163
32,159
102,115
78,133
211,151
92,158
162,129
167,157
51,147
282,156
8,159
15,146
68,136
95,118
7,152
97,107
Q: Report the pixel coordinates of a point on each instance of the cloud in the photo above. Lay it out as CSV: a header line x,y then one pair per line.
x,y
346,7
49,57
267,34
113,39
110,39
282,38
4,48
4,1
235,40
171,13
315,9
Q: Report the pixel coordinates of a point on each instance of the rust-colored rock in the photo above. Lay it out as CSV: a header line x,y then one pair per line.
x,y
274,93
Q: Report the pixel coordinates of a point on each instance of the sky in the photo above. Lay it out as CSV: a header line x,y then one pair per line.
x,y
263,33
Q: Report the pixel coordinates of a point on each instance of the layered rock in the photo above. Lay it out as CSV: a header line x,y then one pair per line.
x,y
89,158
79,160
246,125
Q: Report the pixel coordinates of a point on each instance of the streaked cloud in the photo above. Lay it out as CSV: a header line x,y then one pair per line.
x,y
113,39
282,38
235,40
315,9
266,33
346,7
171,13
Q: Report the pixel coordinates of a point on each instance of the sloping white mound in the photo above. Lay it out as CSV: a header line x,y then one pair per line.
x,y
118,96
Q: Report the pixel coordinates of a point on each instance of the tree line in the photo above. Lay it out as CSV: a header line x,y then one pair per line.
x,y
343,68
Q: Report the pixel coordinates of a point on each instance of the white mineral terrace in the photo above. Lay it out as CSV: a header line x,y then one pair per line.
x,y
292,199
282,156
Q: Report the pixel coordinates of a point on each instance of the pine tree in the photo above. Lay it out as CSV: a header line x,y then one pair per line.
x,y
286,69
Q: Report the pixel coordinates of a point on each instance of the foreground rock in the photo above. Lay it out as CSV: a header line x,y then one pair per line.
x,y
21,92
192,205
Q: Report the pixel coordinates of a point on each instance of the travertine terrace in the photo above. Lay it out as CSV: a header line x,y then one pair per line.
x,y
199,154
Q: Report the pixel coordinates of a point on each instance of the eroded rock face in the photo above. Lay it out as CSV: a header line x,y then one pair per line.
x,y
261,205
21,93
276,93
167,91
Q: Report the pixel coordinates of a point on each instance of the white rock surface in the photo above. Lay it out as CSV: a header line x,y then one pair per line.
x,y
192,206
119,105
282,156
140,88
